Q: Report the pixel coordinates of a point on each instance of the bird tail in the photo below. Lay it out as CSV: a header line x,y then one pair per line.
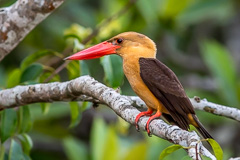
x,y
201,129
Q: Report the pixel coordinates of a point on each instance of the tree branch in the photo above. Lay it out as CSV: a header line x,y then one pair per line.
x,y
214,108
121,105
20,18
199,104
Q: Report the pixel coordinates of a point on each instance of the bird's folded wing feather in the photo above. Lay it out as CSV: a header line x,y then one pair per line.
x,y
166,87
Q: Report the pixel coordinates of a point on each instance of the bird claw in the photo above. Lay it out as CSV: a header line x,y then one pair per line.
x,y
137,127
148,131
149,134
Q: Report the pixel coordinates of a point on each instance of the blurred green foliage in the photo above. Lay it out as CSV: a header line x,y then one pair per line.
x,y
113,73
223,68
193,37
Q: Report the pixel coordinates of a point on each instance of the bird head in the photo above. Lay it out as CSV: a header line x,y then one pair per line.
x,y
126,45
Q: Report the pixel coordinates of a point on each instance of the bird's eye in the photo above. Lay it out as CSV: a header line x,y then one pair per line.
x,y
119,40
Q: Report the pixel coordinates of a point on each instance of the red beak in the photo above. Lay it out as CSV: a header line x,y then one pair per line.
x,y
96,51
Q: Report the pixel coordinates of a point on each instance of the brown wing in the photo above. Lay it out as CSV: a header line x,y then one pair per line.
x,y
165,86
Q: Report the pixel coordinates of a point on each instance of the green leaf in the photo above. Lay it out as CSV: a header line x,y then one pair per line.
x,y
31,72
169,150
111,146
3,75
75,114
73,69
98,138
112,66
201,10
84,68
45,75
137,151
216,149
26,142
15,152
35,56
186,158
72,36
45,107
171,8
222,66
104,141
24,119
2,152
75,149
14,78
8,123
77,31
148,11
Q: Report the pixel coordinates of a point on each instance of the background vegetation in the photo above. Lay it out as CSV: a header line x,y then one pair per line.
x,y
198,39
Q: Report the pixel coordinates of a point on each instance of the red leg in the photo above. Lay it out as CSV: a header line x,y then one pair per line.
x,y
146,113
158,114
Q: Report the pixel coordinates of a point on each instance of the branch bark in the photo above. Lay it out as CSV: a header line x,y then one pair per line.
x,y
121,105
200,104
20,18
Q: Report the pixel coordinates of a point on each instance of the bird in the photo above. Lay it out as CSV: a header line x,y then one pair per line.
x,y
155,83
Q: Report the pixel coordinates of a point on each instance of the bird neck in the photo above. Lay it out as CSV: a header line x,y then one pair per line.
x,y
131,64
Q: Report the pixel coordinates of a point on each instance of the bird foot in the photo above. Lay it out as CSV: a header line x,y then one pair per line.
x,y
158,114
146,113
